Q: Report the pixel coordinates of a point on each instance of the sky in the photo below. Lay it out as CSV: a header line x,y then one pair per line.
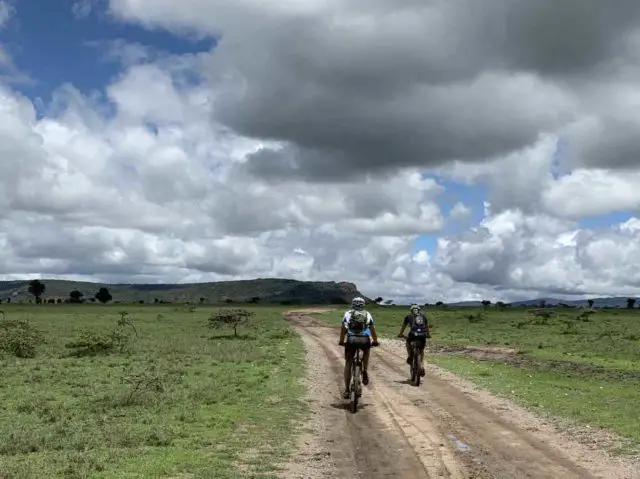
x,y
434,151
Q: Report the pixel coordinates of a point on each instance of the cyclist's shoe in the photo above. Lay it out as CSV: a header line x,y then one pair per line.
x,y
365,378
346,394
422,372
409,360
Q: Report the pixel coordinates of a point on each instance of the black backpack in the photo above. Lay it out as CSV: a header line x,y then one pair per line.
x,y
419,325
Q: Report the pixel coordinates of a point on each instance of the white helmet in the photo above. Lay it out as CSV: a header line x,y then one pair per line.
x,y
415,309
357,304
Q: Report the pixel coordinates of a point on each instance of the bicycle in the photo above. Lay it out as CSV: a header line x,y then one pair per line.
x,y
358,342
414,367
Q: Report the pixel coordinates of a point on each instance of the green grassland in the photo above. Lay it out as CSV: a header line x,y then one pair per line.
x,y
179,399
582,368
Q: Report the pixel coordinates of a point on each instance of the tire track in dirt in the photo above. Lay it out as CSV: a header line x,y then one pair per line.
x,y
389,436
506,451
426,421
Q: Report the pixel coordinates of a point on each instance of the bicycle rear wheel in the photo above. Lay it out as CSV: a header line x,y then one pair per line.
x,y
356,384
416,364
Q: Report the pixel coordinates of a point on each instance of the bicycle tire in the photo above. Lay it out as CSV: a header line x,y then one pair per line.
x,y
355,378
412,366
416,363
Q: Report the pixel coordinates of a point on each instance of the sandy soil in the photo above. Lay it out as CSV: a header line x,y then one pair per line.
x,y
446,428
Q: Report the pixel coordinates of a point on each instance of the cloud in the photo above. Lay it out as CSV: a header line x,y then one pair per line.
x,y
83,8
510,251
9,72
460,211
348,87
317,140
6,12
154,193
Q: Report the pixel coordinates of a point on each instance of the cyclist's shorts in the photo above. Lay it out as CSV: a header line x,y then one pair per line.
x,y
355,342
420,338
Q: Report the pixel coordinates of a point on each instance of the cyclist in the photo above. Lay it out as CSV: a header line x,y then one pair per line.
x,y
418,330
357,324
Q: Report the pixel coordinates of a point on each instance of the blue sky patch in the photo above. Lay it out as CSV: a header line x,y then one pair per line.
x,y
604,221
54,47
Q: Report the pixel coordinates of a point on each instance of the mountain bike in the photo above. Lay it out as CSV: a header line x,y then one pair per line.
x,y
359,343
414,367
356,380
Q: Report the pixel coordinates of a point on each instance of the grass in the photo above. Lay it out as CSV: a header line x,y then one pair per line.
x,y
583,371
185,401
607,403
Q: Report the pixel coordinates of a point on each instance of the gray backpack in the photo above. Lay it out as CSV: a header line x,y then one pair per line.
x,y
357,321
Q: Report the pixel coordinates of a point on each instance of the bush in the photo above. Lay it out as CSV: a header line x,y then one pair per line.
x,y
119,340
19,338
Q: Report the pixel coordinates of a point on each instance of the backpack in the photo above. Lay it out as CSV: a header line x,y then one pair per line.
x,y
419,325
357,321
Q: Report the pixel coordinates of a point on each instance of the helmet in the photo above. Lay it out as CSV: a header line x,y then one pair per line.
x,y
357,304
415,309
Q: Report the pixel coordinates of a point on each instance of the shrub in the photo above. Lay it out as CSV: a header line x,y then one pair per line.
x,y
90,343
19,338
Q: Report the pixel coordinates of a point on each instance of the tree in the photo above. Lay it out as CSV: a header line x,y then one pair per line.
x,y
486,303
103,295
631,302
75,296
439,303
388,302
379,299
500,305
590,303
37,288
232,318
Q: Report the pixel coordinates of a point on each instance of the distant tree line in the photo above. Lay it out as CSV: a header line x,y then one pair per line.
x,y
37,288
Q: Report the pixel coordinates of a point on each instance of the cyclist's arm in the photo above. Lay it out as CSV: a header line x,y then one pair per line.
x,y
372,328
374,334
343,326
405,322
343,333
428,325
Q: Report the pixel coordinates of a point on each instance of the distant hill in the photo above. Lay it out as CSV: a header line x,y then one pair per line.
x,y
603,302
268,290
611,302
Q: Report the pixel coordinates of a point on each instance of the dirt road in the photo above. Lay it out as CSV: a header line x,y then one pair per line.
x,y
434,431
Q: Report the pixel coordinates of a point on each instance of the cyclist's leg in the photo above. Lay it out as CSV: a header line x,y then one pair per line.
x,y
348,359
409,350
366,353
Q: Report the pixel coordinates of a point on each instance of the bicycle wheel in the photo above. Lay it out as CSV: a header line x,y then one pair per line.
x,y
412,368
355,381
416,363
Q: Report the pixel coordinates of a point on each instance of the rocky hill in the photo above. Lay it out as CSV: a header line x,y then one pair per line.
x,y
274,291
